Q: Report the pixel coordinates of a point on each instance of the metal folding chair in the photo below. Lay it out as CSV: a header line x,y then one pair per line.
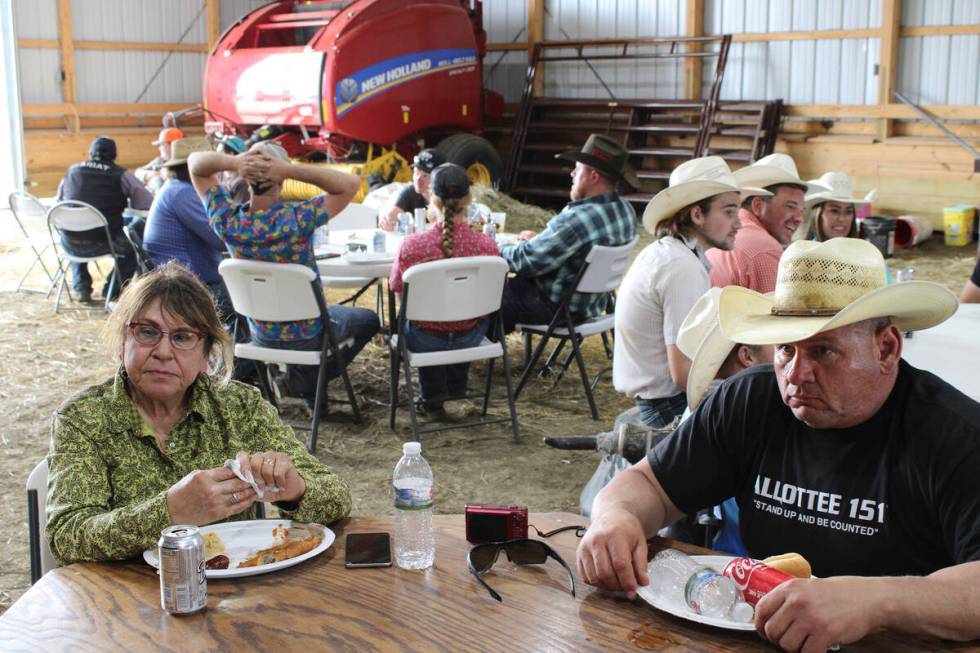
x,y
42,561
450,290
76,216
143,262
286,292
28,210
602,272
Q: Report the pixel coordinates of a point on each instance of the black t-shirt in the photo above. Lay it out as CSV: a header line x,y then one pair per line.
x,y
899,494
975,277
409,200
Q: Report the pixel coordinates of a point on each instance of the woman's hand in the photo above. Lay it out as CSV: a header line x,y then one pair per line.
x,y
208,495
275,475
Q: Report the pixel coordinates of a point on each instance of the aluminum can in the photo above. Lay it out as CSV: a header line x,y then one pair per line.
x,y
183,583
754,579
379,242
490,229
405,224
420,221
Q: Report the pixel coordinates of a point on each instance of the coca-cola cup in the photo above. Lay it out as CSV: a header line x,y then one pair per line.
x,y
754,579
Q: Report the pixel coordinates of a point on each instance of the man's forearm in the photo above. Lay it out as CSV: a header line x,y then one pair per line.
x,y
205,164
945,604
637,491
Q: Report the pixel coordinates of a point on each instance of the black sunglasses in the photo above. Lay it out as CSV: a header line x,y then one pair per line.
x,y
521,552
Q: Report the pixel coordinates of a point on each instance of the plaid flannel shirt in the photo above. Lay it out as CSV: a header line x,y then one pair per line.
x,y
553,257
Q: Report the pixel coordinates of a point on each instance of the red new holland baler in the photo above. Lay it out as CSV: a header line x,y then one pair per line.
x,y
357,81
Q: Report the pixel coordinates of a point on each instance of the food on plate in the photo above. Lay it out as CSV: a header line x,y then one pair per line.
x,y
288,543
212,545
217,562
790,563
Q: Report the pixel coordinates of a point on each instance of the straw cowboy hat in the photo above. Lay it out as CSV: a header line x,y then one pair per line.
x,y
771,170
690,182
605,155
837,188
822,286
702,340
183,148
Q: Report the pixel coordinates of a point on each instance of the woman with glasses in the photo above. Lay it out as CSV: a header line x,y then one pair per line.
x,y
147,448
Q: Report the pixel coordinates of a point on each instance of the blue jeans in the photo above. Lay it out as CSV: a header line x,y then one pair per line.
x,y
348,322
658,413
524,303
124,269
441,382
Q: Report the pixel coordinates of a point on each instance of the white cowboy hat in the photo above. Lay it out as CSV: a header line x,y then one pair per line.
x,y
701,339
690,182
771,170
838,188
821,286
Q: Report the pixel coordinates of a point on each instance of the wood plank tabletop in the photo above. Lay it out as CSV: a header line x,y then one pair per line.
x,y
321,605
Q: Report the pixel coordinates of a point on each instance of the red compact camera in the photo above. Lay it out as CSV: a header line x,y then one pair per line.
x,y
489,523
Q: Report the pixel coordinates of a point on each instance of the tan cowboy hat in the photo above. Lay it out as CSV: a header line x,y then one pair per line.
x,y
690,182
822,286
701,339
837,188
605,155
182,149
771,170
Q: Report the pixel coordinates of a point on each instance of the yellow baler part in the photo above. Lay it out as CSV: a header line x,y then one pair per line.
x,y
293,190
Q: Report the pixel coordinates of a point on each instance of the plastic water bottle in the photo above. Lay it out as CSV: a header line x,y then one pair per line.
x,y
321,238
379,242
682,580
415,548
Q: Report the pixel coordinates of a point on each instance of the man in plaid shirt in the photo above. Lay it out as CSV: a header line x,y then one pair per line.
x,y
546,264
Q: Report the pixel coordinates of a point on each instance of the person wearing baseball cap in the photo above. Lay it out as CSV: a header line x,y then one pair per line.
x,y
546,265
450,237
840,451
768,224
150,173
111,189
417,194
698,211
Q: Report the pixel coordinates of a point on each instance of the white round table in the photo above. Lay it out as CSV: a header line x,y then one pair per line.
x,y
950,350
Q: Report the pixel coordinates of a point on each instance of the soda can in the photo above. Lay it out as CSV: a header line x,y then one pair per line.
x,y
405,223
754,579
490,229
420,221
379,242
183,583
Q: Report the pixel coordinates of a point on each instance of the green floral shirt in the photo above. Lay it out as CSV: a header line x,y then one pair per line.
x,y
108,477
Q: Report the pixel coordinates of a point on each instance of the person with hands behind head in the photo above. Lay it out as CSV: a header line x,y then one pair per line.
x,y
147,448
840,451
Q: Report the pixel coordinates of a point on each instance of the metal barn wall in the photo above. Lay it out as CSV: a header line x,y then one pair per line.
x,y
505,21
940,69
38,70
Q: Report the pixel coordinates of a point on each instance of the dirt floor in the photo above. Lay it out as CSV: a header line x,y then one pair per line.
x,y
45,358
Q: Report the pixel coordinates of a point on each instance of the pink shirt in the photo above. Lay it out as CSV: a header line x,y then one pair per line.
x,y
752,264
427,246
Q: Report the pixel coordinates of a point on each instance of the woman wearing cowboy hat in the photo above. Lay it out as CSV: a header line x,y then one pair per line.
x,y
832,209
841,451
696,212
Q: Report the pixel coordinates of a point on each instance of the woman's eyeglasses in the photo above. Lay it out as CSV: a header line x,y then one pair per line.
x,y
521,552
148,335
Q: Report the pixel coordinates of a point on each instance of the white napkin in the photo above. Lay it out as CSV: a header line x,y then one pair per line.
x,y
246,475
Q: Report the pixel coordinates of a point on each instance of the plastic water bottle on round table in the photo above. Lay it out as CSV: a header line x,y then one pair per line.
x,y
414,544
682,580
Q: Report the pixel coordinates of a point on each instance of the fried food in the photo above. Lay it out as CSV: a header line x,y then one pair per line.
x,y
790,563
212,545
289,543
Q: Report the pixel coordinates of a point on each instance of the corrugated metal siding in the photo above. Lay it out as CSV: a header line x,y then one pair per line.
x,y
140,21
505,21
232,10
122,76
38,71
36,19
940,69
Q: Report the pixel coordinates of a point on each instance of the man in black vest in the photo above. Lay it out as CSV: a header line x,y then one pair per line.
x,y
110,189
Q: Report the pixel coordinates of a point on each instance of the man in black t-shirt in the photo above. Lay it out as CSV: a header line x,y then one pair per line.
x,y
971,291
416,195
840,451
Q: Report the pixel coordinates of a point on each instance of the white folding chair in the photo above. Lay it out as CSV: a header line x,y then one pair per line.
x,y
449,290
286,292
602,271
356,216
76,216
28,211
37,494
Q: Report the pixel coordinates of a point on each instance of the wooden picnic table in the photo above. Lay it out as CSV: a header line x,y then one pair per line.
x,y
320,605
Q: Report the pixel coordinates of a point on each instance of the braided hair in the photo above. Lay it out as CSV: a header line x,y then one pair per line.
x,y
450,208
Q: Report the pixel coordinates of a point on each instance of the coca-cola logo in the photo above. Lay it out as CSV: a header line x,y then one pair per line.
x,y
740,571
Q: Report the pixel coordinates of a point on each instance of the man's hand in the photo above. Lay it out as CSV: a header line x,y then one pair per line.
x,y
274,469
208,495
811,615
527,234
388,220
613,553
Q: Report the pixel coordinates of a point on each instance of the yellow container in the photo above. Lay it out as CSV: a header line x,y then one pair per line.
x,y
958,224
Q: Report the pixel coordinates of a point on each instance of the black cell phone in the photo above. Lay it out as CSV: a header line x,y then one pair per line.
x,y
368,550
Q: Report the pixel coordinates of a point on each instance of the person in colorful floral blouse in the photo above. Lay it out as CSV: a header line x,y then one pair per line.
x,y
450,237
266,229
146,448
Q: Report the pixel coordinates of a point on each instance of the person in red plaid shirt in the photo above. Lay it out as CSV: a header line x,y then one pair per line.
x,y
449,237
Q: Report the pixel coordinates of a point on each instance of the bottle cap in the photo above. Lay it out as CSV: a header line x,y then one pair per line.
x,y
412,448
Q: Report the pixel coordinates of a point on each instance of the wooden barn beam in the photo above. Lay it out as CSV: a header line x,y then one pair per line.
x,y
891,23
214,23
535,34
694,26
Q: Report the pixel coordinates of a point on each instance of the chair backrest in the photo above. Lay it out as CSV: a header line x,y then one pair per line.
x,y
26,209
76,216
37,494
143,261
605,267
454,288
355,216
271,292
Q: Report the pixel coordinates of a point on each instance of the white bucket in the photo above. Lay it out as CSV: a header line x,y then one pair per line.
x,y
910,230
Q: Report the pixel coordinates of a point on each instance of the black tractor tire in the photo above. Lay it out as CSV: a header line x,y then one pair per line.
x,y
466,149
